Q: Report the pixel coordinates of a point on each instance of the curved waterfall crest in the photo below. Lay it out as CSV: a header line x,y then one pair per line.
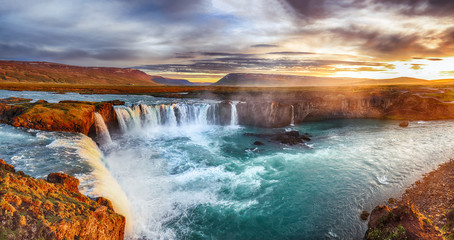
x,y
135,117
104,184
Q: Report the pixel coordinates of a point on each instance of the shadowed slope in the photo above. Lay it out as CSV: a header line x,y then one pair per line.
x,y
45,72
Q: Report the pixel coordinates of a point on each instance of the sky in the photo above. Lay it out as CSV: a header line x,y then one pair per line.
x,y
202,40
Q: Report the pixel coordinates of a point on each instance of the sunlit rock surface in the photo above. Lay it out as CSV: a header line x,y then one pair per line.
x,y
67,116
54,209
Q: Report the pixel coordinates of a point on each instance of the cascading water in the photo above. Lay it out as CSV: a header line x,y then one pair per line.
x,y
105,185
102,132
171,115
233,114
292,121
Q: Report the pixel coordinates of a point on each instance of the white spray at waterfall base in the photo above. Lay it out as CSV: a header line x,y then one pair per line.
x,y
105,185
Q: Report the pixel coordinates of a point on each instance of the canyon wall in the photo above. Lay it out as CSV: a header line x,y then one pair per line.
x,y
261,110
279,112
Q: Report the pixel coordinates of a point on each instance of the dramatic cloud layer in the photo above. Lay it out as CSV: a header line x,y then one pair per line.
x,y
204,39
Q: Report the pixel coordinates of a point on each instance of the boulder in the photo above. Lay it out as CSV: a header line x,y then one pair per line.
x,y
69,182
403,124
364,215
287,138
402,222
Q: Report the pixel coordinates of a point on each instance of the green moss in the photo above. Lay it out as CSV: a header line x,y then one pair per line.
x,y
449,237
52,218
398,233
376,235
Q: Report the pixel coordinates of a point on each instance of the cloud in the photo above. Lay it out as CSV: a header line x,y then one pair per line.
x,y
398,46
447,73
220,36
420,7
241,64
415,66
264,45
226,54
290,53
307,8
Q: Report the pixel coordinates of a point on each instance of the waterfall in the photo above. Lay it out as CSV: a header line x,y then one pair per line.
x,y
104,183
102,132
151,114
141,116
292,121
234,114
171,119
122,116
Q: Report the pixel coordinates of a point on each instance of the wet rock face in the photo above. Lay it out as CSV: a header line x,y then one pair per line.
x,y
268,114
278,109
402,222
37,209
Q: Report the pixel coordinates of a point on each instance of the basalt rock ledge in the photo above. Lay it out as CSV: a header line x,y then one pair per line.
x,y
65,116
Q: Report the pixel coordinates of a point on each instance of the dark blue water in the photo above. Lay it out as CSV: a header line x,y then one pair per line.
x,y
194,180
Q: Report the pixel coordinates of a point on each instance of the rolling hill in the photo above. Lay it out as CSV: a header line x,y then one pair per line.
x,y
276,80
171,82
46,72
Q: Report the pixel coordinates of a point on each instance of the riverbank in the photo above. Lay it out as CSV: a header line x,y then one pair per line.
x,y
428,201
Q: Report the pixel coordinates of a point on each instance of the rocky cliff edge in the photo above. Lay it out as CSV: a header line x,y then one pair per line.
x,y
53,209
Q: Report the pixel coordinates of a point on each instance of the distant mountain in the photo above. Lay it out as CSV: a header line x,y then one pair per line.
x,y
171,82
401,80
276,80
46,72
444,81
